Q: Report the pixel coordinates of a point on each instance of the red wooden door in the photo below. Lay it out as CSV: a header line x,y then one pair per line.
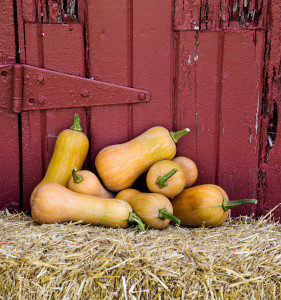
x,y
9,121
211,66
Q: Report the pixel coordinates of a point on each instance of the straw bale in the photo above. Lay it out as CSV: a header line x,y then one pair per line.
x,y
239,260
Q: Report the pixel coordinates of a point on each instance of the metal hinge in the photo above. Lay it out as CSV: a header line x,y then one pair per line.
x,y
27,88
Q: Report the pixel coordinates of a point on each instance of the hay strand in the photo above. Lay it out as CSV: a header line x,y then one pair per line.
x,y
239,260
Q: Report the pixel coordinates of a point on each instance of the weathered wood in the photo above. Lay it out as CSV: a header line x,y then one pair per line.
x,y
9,146
270,154
240,109
57,47
109,59
152,63
219,14
198,61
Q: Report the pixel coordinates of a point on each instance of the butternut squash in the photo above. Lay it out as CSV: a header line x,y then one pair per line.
x,y
190,169
166,177
120,165
154,209
86,182
204,205
54,203
70,151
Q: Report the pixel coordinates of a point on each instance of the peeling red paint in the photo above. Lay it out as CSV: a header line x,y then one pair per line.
x,y
219,14
270,143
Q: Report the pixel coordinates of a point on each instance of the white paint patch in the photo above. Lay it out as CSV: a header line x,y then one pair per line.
x,y
196,57
189,60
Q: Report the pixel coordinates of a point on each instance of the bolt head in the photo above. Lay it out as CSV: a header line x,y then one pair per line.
x,y
40,78
141,96
41,99
85,93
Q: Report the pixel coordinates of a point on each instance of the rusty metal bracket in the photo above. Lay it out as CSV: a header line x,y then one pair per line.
x,y
27,88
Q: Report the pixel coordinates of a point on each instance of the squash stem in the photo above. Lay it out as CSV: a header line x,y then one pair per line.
x,y
227,204
76,125
162,180
76,177
178,134
164,214
133,218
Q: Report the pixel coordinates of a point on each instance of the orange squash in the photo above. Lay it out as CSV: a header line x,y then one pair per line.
x,y
86,182
189,168
166,177
54,203
154,209
120,165
70,151
204,205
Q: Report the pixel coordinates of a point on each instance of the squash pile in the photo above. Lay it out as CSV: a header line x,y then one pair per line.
x,y
67,193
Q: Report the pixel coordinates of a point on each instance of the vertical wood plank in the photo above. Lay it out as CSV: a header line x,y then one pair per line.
x,y
9,146
152,58
108,32
240,116
270,155
196,98
61,48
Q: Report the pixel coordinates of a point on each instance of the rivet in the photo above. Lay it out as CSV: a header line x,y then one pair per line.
x,y
4,73
31,100
40,78
84,93
141,96
42,14
41,99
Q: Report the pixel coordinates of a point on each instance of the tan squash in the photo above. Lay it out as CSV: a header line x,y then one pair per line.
x,y
166,177
155,210
204,205
54,203
190,169
120,165
86,182
70,151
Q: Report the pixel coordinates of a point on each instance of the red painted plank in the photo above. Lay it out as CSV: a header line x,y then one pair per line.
x,y
61,48
109,43
33,149
9,161
240,115
9,146
196,98
152,62
270,160
49,46
7,33
34,45
29,11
